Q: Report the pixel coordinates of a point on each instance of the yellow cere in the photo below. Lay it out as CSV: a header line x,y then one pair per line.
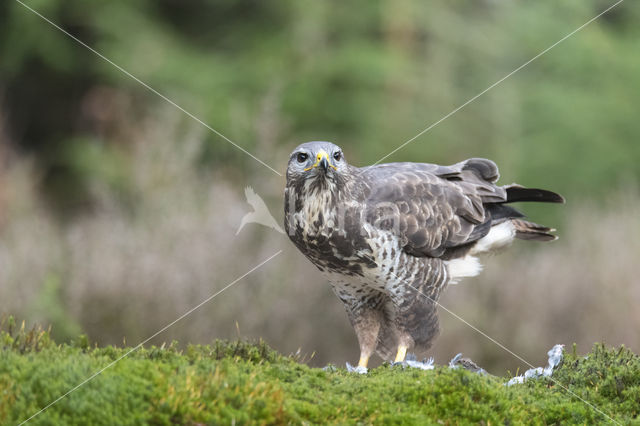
x,y
321,153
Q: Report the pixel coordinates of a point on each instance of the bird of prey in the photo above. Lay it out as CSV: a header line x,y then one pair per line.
x,y
390,237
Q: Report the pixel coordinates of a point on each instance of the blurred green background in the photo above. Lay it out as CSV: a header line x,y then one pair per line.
x,y
118,212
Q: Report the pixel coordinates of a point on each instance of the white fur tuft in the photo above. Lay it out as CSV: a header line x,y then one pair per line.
x,y
468,266
499,236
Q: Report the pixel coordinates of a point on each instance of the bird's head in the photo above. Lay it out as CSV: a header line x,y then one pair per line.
x,y
322,162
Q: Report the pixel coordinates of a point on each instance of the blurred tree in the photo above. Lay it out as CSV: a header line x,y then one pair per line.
x,y
367,75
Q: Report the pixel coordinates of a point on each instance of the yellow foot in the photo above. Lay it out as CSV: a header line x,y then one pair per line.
x,y
364,360
402,353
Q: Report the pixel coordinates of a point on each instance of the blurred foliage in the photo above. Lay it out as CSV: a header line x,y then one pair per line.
x,y
50,304
248,383
367,75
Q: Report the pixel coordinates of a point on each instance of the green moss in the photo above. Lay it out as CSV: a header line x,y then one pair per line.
x,y
250,383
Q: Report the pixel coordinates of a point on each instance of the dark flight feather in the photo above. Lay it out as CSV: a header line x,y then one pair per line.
x,y
516,193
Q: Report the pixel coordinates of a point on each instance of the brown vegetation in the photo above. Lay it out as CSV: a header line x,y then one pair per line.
x,y
133,263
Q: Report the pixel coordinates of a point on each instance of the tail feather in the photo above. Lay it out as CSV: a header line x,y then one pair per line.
x,y
501,212
517,193
526,230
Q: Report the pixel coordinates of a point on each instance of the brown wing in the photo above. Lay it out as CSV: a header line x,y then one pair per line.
x,y
433,208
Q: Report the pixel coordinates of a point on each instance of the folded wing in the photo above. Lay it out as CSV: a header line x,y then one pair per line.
x,y
436,210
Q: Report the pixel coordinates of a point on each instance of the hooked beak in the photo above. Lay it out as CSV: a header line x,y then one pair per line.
x,y
324,163
322,160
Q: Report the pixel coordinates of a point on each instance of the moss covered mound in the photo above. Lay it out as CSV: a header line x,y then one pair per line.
x,y
240,382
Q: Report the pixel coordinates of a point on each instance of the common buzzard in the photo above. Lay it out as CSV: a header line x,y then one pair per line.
x,y
390,237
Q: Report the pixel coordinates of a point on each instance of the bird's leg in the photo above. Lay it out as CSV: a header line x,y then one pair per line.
x,y
416,316
364,360
405,342
401,354
367,327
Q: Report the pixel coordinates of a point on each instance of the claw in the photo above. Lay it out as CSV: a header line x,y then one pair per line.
x,y
359,369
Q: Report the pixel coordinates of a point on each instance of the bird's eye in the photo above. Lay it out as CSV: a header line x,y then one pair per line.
x,y
302,157
337,155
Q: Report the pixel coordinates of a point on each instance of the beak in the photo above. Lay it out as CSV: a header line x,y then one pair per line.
x,y
324,163
322,160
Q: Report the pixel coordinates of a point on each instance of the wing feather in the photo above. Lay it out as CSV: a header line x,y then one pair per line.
x,y
433,208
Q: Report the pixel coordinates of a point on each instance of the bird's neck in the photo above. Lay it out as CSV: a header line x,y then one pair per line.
x,y
316,206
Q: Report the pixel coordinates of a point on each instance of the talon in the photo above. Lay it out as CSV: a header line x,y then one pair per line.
x,y
359,369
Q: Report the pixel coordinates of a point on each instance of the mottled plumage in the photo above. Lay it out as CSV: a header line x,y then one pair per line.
x,y
390,237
